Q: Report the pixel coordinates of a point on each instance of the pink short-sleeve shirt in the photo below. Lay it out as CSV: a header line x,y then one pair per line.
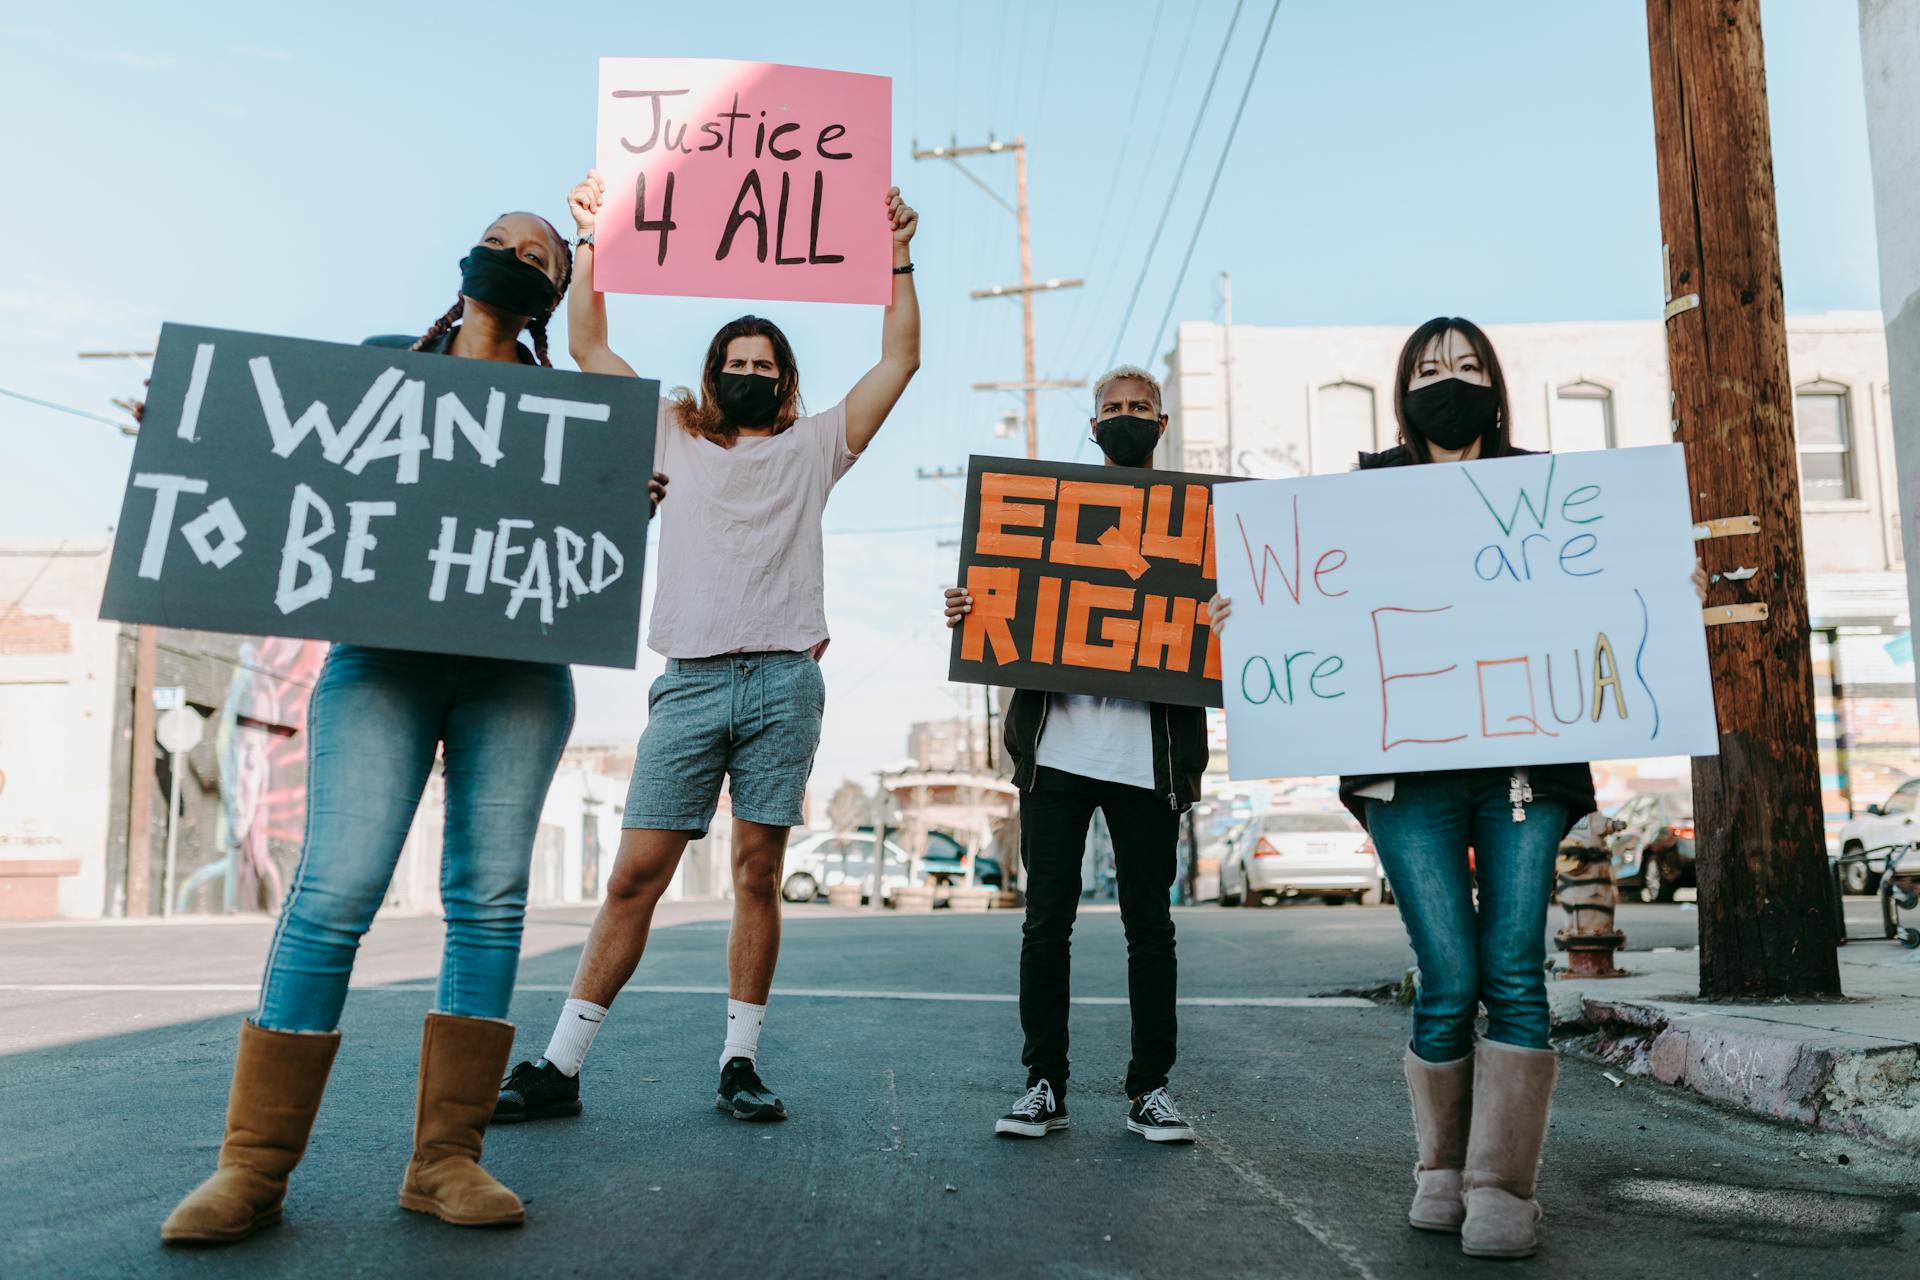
x,y
742,561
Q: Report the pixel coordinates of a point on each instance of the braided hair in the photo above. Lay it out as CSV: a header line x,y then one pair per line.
x,y
536,327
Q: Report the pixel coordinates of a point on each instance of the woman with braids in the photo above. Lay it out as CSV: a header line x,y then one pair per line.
x,y
740,616
375,722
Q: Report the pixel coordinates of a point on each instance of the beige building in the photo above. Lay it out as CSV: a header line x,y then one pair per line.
x,y
224,831
60,721
1278,402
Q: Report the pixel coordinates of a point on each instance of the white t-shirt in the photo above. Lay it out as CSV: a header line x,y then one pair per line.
x,y
742,563
1106,738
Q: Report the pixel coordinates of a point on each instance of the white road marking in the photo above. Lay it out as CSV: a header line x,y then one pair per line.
x,y
1302,1216
788,993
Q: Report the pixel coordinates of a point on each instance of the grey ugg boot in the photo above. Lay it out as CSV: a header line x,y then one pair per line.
x,y
1512,1090
1442,1094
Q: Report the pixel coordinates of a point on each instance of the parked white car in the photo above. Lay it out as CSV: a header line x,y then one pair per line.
x,y
1864,841
823,860
1298,853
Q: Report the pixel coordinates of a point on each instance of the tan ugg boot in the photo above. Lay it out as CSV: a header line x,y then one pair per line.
x,y
461,1063
1512,1090
278,1077
1442,1094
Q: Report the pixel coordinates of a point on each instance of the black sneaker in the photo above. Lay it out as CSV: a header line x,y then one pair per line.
x,y
743,1096
1038,1113
1155,1118
537,1091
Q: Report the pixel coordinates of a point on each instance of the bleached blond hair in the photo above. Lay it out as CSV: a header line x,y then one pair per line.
x,y
1120,372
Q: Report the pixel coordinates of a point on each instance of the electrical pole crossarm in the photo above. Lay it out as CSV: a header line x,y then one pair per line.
x,y
1011,290
1043,384
955,152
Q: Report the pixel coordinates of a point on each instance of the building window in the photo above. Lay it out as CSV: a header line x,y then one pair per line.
x,y
1582,418
1826,442
1343,427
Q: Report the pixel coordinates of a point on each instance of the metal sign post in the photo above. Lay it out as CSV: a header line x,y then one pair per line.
x,y
179,731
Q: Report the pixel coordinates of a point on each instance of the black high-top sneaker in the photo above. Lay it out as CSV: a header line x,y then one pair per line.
x,y
743,1096
1038,1113
1155,1118
537,1091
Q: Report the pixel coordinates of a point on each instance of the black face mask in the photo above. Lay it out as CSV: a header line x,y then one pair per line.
x,y
749,400
1452,413
1128,441
500,279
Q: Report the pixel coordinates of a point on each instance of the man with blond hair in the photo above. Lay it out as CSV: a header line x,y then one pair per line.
x,y
1140,764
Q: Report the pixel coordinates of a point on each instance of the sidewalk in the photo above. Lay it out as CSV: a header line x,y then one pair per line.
x,y
1849,1066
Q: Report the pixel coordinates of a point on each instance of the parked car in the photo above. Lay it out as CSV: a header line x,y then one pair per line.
x,y
1295,853
822,860
946,859
1865,840
1382,889
1652,844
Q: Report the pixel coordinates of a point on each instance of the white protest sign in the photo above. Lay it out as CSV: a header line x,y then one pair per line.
x,y
1526,610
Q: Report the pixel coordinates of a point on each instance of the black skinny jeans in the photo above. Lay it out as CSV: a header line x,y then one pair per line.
x,y
1054,817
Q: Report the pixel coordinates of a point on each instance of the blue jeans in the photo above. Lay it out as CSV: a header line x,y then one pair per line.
x,y
1492,952
373,726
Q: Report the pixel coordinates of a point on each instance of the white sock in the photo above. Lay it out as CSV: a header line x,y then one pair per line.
x,y
743,1031
573,1035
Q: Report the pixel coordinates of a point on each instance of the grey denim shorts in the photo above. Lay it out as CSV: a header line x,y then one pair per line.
x,y
753,718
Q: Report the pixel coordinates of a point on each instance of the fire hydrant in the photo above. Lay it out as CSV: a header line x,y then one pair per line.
x,y
1587,895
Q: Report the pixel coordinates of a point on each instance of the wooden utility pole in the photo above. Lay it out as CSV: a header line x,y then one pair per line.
x,y
1765,929
140,775
1028,384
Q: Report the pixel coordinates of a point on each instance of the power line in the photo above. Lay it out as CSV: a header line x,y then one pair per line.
x,y
1218,169
1150,162
913,64
1044,79
999,42
1173,190
34,581
63,408
1120,162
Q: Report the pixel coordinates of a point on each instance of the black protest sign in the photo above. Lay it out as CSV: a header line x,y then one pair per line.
x,y
386,497
1088,580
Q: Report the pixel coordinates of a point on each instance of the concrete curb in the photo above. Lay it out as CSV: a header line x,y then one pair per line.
x,y
1786,1062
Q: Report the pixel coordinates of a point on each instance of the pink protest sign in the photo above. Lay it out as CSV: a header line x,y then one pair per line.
x,y
743,180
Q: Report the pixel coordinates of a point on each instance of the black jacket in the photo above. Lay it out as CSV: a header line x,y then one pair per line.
x,y
1569,783
1179,745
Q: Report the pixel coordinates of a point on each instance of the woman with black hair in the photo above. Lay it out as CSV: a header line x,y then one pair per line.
x,y
1478,927
376,721
740,616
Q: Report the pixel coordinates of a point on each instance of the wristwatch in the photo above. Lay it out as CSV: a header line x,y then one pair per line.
x,y
584,242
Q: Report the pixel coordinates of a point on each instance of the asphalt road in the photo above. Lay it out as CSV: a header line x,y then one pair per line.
x,y
895,1044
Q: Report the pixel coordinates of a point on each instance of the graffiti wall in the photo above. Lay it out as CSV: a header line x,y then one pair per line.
x,y
242,791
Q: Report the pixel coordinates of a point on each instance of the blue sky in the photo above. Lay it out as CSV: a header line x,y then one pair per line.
x,y
319,170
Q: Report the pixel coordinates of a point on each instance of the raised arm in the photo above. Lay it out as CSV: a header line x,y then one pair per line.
x,y
874,396
586,305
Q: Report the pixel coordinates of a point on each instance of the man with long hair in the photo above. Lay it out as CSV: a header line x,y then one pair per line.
x,y
741,619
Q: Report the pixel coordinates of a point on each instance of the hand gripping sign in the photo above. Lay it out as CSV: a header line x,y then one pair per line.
x,y
1088,580
386,497
1527,610
743,180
